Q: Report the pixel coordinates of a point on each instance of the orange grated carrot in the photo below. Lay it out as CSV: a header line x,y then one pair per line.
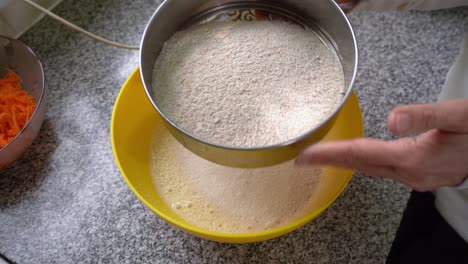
x,y
16,107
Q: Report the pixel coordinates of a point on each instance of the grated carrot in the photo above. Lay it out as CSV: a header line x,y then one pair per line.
x,y
16,107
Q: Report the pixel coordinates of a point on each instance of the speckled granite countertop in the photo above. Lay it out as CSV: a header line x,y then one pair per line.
x,y
66,202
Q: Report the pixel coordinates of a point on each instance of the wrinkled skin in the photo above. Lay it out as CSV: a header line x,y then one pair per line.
x,y
437,157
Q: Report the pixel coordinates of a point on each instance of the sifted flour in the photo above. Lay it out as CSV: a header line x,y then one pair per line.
x,y
247,84
229,200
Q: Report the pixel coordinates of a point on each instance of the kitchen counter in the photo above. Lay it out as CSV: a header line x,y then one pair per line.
x,y
65,201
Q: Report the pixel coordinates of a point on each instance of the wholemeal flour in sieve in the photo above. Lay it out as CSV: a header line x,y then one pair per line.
x,y
247,84
225,199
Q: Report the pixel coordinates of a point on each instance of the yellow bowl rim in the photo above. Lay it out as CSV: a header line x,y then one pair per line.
x,y
258,236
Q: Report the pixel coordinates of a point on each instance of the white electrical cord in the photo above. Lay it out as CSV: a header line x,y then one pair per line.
x,y
77,28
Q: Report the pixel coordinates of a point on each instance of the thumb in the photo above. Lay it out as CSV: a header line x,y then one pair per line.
x,y
450,116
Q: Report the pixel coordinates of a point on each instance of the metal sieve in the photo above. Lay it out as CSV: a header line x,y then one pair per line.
x,y
324,17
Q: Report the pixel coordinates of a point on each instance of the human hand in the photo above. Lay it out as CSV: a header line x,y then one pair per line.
x,y
436,158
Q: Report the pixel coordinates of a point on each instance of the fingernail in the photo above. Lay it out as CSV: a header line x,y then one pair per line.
x,y
403,123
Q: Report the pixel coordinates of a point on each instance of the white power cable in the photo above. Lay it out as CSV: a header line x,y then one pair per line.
x,y
79,29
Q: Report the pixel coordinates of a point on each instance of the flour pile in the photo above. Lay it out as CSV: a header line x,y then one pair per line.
x,y
247,84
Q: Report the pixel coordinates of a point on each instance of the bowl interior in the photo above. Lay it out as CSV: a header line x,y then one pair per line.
x,y
21,59
132,126
16,56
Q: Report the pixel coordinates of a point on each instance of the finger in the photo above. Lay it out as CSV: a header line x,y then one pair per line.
x,y
359,154
450,116
370,156
378,171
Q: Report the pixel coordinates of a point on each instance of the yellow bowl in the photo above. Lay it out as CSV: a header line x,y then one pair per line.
x,y
133,122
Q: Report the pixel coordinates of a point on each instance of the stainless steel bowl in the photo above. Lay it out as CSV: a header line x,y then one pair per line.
x,y
18,57
322,16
